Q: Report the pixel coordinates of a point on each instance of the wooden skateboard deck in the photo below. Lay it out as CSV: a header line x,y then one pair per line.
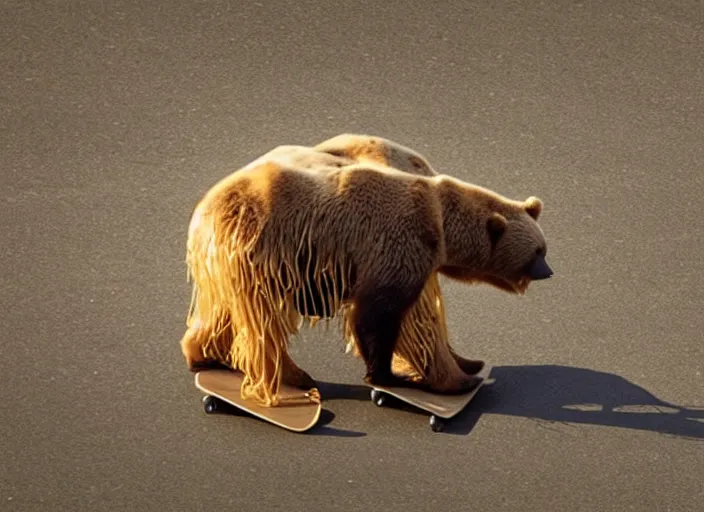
x,y
297,414
441,407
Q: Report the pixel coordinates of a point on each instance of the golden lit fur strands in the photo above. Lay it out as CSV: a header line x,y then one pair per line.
x,y
241,313
244,262
423,349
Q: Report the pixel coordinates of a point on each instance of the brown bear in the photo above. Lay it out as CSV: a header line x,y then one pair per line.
x,y
302,233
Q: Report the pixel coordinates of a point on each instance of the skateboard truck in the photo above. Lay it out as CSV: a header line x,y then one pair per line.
x,y
437,424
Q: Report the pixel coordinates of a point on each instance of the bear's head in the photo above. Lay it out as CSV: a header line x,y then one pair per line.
x,y
491,239
518,248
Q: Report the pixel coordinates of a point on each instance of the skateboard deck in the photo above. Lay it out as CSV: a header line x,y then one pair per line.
x,y
441,407
299,411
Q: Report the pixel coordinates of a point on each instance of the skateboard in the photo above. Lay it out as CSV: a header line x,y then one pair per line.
x,y
441,407
299,410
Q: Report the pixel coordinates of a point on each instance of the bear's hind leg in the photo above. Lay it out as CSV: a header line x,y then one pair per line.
x,y
294,376
193,346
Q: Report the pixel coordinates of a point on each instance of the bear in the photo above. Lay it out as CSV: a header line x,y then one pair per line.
x,y
304,233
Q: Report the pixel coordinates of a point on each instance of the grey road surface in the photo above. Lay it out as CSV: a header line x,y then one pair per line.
x,y
116,116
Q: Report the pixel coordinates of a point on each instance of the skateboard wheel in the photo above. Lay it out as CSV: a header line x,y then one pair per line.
x,y
378,397
210,404
436,424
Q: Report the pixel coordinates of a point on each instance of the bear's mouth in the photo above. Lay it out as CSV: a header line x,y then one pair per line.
x,y
522,285
518,286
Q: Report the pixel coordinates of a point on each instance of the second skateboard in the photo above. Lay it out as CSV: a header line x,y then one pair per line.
x,y
441,407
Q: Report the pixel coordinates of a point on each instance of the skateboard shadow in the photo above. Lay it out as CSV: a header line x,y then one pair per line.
x,y
323,428
332,391
578,396
320,429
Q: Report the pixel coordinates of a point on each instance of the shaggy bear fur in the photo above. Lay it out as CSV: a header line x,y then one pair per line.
x,y
341,229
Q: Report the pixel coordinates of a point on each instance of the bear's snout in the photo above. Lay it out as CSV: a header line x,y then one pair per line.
x,y
540,269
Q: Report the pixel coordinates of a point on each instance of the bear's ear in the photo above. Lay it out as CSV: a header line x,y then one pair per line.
x,y
534,207
497,226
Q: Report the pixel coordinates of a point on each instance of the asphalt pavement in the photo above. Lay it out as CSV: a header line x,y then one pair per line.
x,y
115,117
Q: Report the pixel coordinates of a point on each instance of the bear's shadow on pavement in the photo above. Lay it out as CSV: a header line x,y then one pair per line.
x,y
560,394
567,394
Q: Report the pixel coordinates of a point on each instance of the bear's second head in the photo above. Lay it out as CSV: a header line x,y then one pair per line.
x,y
495,240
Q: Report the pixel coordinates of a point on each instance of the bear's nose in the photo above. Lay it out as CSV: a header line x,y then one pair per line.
x,y
540,269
